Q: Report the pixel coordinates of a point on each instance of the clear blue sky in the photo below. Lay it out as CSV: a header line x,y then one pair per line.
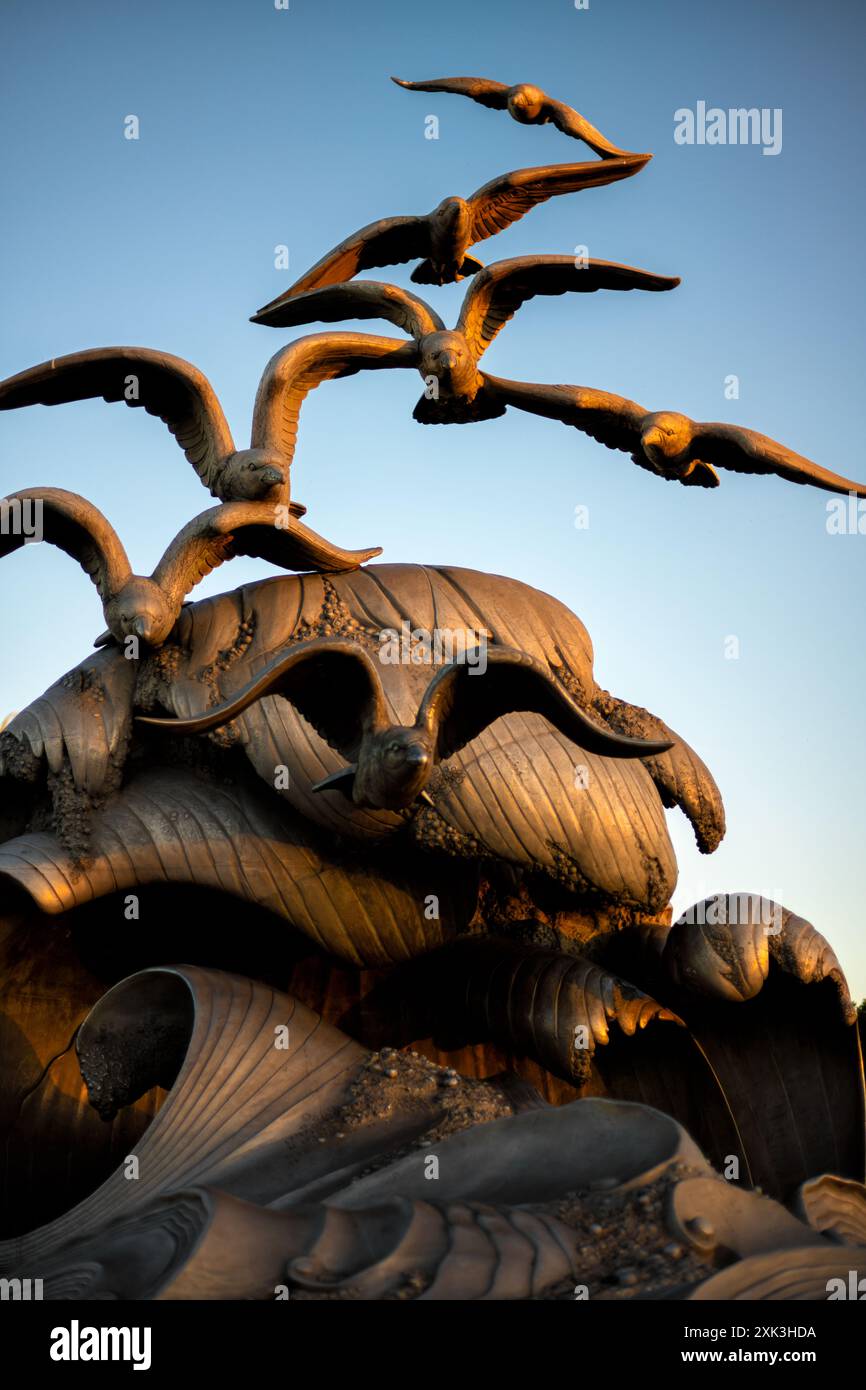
x,y
261,127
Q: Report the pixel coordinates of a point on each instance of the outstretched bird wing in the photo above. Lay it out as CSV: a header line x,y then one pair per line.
x,y
298,369
166,386
507,198
355,299
247,528
461,701
495,95
481,89
746,451
613,420
497,292
390,241
332,682
74,525
570,122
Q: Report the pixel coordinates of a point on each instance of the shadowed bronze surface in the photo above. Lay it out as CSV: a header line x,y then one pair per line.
x,y
391,764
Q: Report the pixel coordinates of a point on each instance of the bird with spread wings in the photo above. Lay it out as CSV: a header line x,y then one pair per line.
x,y
525,103
448,360
668,444
335,684
148,607
442,238
183,398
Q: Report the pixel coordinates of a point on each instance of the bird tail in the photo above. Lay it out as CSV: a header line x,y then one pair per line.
x,y
426,273
447,411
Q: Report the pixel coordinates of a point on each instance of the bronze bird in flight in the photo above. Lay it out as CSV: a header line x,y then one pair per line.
x,y
148,607
335,685
184,399
450,357
443,236
527,104
665,442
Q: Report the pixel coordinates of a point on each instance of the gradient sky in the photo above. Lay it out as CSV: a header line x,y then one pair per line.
x,y
261,127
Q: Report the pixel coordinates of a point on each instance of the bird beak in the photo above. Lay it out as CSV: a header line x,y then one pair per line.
x,y
417,757
342,781
448,360
652,439
104,639
141,629
272,476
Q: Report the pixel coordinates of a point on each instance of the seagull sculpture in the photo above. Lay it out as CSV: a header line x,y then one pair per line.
x,y
148,607
448,359
184,399
665,442
525,103
335,684
443,236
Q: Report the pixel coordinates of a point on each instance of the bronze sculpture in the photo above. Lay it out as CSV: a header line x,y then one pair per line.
x,y
148,608
470,957
443,236
526,104
664,442
451,358
391,764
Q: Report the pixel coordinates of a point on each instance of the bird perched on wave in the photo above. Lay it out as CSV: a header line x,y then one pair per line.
x,y
665,442
525,103
450,357
184,399
443,236
335,685
148,607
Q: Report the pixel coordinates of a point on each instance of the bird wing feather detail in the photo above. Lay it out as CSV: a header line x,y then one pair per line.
x,y
298,369
497,292
509,197
165,386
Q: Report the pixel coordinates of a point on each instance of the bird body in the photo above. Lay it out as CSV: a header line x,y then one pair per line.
x,y
525,103
441,238
335,684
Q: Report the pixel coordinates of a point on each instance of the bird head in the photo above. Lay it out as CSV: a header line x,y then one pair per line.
x,y
393,768
142,610
449,214
666,439
525,102
447,357
255,475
